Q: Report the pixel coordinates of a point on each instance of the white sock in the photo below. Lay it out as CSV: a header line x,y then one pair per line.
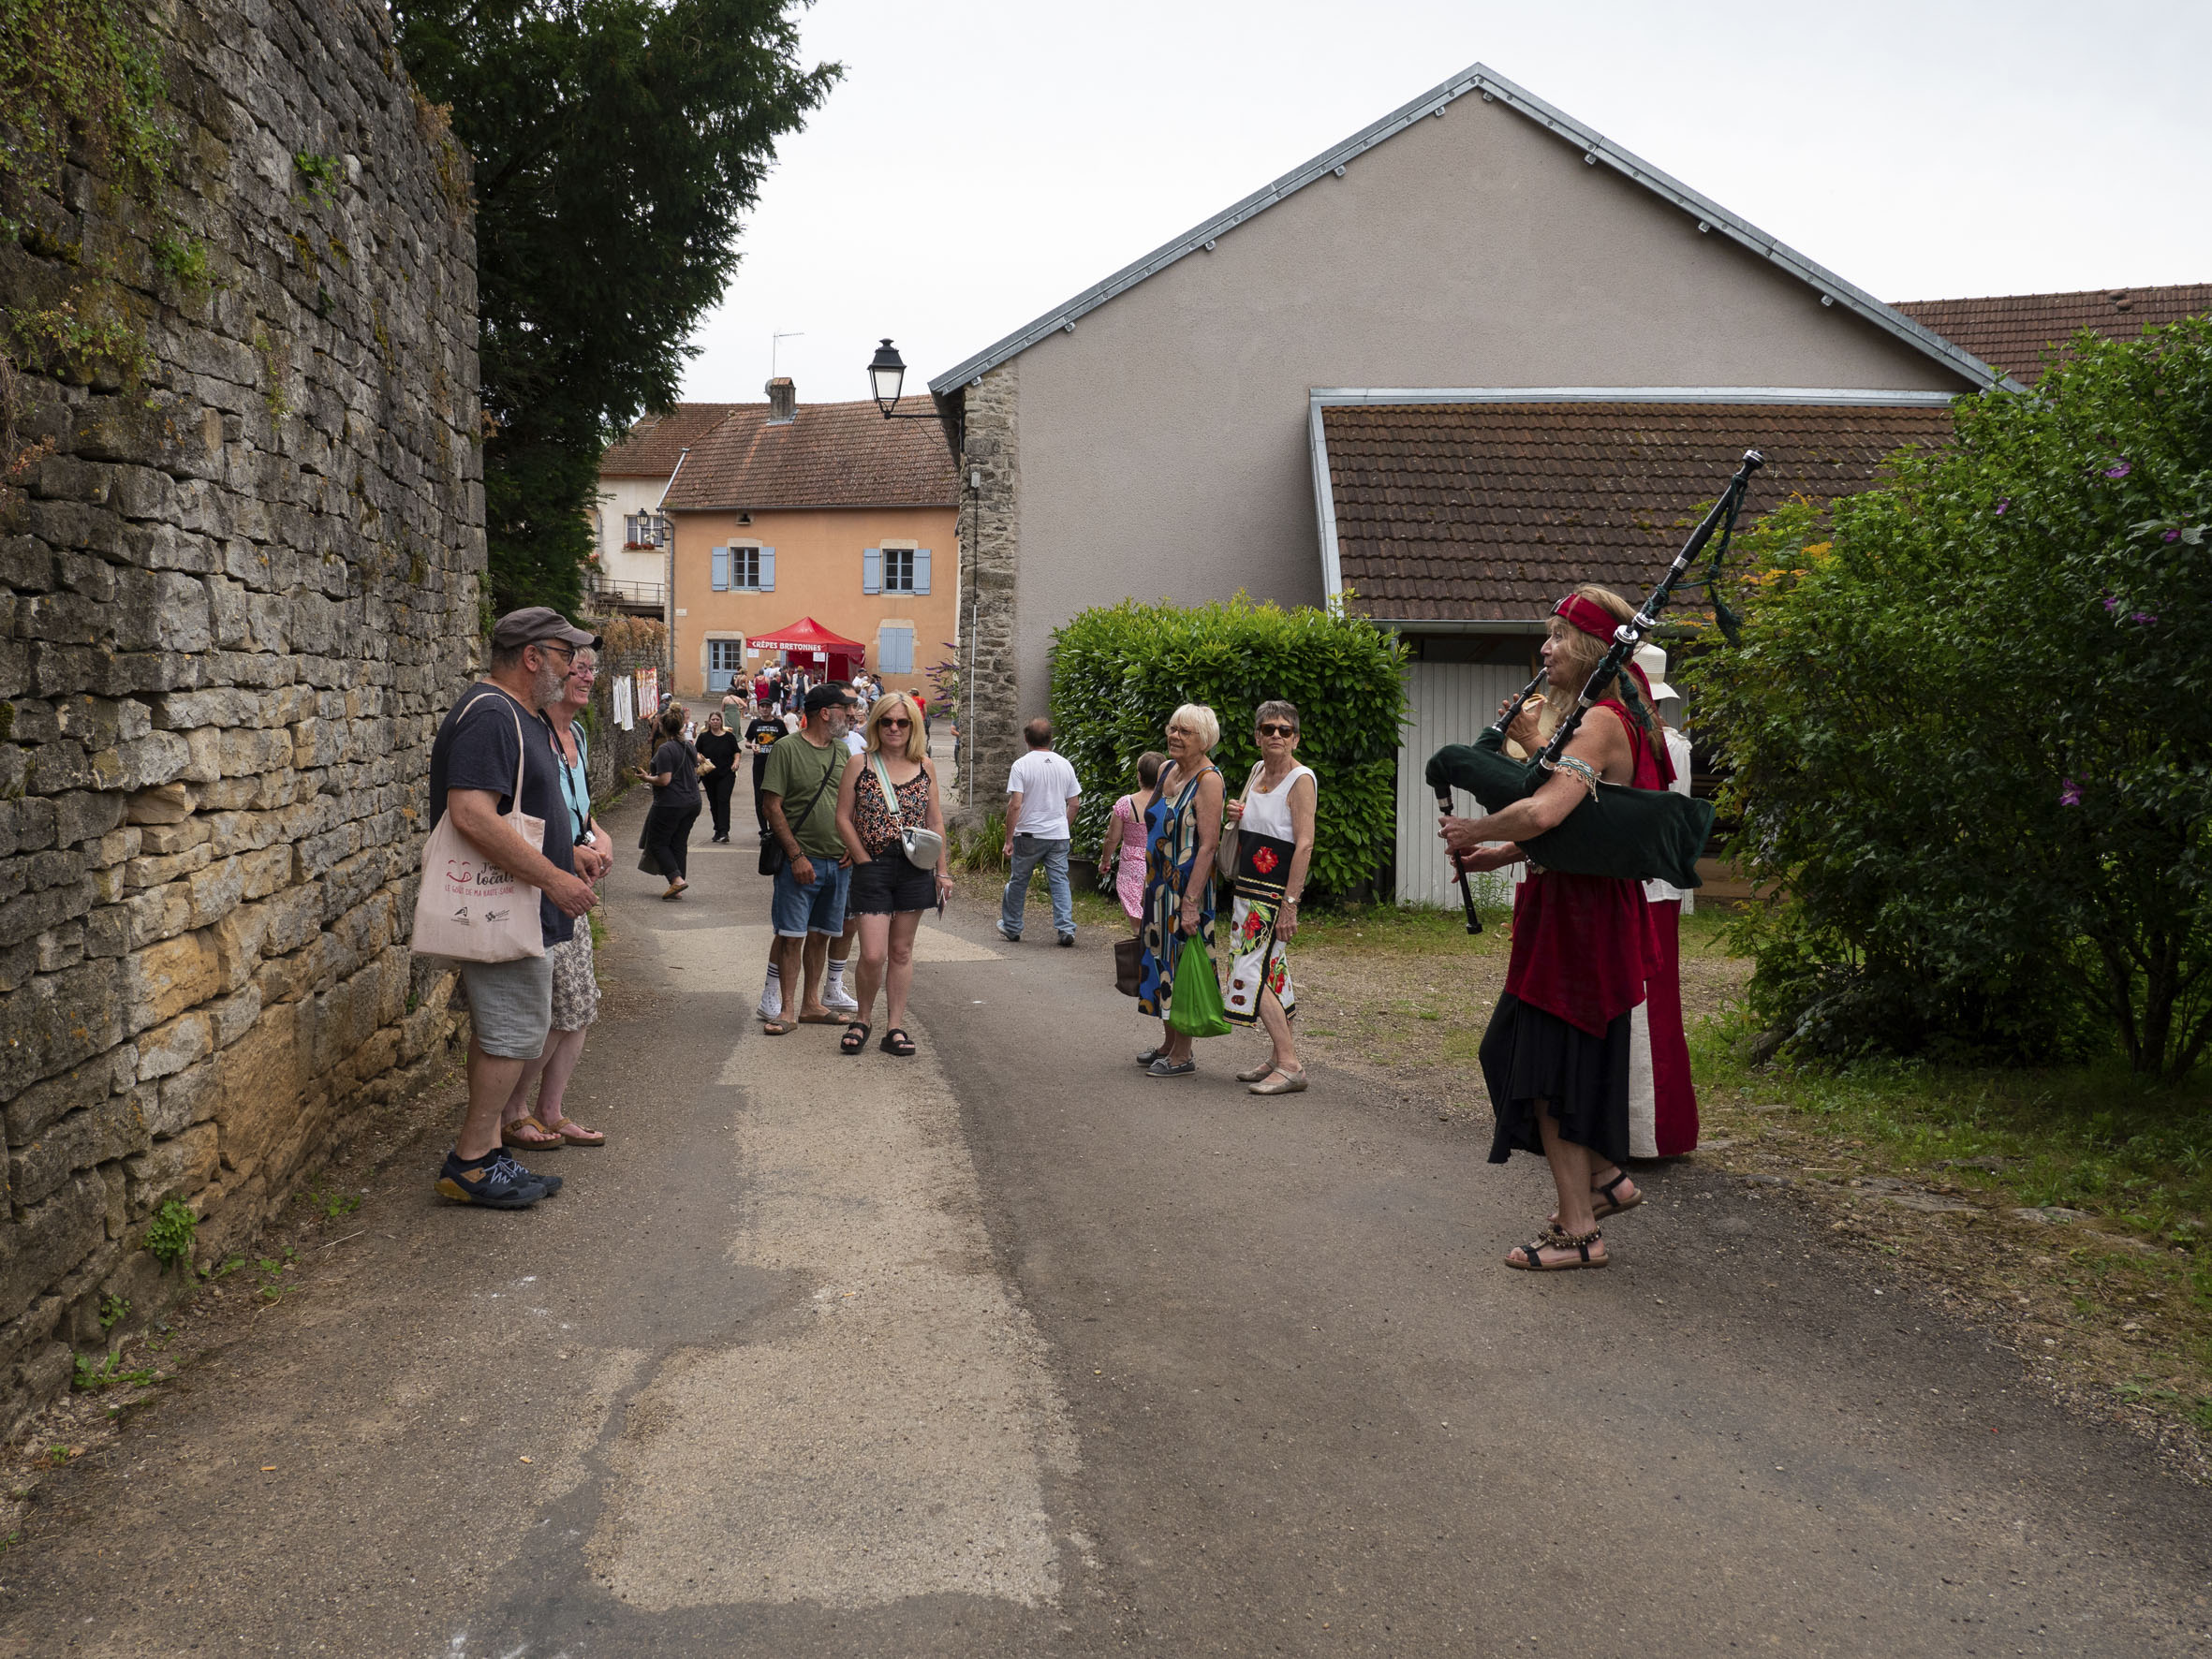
x,y
836,976
771,995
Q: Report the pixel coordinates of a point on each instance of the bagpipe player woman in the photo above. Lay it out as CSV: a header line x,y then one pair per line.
x,y
1558,1056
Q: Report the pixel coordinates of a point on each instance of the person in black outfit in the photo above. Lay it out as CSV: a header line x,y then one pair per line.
x,y
761,732
717,746
674,777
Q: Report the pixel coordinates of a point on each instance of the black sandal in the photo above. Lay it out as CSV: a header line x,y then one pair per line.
x,y
854,1039
1610,1205
1555,1239
895,1041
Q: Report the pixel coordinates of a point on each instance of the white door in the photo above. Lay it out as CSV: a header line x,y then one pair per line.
x,y
1449,703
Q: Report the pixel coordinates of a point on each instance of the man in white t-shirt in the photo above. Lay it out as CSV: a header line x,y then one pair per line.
x,y
1041,792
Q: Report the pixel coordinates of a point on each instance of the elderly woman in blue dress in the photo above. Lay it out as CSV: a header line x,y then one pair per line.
x,y
1183,827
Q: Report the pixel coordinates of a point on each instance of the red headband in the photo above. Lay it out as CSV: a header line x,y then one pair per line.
x,y
1587,615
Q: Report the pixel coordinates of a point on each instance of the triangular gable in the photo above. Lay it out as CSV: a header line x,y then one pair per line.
x,y
1481,81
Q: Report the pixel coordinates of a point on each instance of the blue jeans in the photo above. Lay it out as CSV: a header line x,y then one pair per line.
x,y
1030,851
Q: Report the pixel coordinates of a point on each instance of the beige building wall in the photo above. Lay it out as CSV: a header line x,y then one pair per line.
x,y
618,499
818,574
1162,444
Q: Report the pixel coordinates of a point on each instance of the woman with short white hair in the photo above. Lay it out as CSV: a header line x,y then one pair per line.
x,y
1183,826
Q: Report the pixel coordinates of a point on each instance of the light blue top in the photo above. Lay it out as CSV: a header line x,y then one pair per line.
x,y
575,787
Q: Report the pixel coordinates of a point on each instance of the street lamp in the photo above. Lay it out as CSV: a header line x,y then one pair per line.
x,y
886,375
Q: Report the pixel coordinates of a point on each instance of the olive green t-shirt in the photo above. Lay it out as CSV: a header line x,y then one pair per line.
x,y
795,770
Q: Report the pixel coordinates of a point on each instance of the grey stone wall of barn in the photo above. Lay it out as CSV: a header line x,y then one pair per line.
x,y
242,559
991,529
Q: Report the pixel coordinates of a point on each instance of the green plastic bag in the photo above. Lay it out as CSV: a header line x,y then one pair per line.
x,y
1194,1006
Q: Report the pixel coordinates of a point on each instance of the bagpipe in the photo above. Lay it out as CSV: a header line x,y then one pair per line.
x,y
1626,833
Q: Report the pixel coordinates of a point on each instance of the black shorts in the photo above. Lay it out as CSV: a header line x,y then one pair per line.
x,y
886,883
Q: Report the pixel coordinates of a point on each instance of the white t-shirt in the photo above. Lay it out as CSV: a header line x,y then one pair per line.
x,y
1046,784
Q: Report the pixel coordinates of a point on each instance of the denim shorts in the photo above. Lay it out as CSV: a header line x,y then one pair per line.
x,y
510,1005
817,909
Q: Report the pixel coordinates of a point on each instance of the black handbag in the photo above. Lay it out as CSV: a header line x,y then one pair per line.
x,y
772,856
1128,964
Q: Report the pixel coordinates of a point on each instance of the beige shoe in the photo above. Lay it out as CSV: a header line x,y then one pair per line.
x,y
1283,1083
1258,1072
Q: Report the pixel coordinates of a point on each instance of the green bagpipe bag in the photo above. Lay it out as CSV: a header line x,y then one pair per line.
x,y
1195,1008
1629,834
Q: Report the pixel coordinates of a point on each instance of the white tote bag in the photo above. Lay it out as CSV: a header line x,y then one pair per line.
x,y
468,908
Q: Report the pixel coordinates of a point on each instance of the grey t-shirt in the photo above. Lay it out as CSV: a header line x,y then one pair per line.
x,y
475,749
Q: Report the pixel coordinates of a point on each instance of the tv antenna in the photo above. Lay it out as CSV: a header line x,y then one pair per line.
x,y
775,340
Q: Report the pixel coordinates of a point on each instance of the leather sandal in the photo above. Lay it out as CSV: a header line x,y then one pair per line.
x,y
1607,1199
854,1039
1283,1083
540,1139
896,1041
1257,1074
1528,1258
575,1133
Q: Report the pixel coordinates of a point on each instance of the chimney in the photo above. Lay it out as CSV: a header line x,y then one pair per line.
x,y
783,401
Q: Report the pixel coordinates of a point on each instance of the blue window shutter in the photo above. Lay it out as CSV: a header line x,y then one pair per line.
x,y
921,570
871,570
767,569
721,575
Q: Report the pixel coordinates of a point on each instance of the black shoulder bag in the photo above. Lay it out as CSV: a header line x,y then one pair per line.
x,y
772,856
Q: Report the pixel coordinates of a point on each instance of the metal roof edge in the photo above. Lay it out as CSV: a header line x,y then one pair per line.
x,y
1478,78
1324,507
1341,396
1535,623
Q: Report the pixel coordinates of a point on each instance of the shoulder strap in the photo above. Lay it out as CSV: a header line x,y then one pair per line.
x,y
890,796
521,756
814,799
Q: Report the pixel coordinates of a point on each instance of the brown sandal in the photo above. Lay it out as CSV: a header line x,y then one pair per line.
x,y
576,1133
543,1138
1531,1254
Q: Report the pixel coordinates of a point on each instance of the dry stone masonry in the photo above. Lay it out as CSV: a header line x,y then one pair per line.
x,y
239,582
991,450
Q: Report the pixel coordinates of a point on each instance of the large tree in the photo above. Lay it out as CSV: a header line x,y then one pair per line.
x,y
617,144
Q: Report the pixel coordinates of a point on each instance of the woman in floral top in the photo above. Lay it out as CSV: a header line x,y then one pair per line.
x,y
1274,845
889,894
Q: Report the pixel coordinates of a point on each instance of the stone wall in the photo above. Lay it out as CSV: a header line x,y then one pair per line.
x,y
990,552
239,579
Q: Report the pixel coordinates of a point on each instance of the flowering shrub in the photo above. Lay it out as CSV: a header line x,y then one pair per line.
x,y
1972,734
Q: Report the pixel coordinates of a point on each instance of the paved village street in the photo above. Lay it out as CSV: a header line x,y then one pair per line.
x,y
1007,1350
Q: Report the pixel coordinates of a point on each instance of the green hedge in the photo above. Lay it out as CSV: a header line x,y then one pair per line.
x,y
1119,672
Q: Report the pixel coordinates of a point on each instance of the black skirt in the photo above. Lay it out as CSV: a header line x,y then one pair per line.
x,y
1529,1055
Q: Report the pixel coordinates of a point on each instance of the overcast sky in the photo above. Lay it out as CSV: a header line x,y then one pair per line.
x,y
983,160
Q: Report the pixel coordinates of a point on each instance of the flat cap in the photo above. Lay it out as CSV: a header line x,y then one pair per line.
x,y
536,625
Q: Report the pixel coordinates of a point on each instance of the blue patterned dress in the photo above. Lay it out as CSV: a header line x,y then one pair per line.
x,y
1170,848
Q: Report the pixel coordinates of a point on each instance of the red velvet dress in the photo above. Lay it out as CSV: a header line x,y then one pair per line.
x,y
1582,947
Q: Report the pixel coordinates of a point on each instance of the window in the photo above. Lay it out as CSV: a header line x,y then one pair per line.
x,y
894,570
726,661
746,569
644,530
894,650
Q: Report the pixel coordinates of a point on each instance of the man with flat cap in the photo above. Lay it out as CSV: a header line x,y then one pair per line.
x,y
497,728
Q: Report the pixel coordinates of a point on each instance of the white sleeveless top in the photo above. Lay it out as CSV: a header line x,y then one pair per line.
x,y
1269,813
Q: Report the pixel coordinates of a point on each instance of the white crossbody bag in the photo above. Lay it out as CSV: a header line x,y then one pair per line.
x,y
923,848
468,908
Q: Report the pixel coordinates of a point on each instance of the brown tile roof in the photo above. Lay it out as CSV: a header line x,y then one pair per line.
x,y
655,441
832,455
2010,331
1488,512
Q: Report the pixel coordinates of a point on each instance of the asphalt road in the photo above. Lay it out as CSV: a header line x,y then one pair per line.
x,y
1008,1350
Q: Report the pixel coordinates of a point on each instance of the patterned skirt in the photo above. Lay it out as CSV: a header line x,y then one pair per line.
x,y
575,985
1258,961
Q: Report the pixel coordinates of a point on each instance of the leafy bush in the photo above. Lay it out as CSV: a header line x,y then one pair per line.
x,y
1118,672
169,1235
1971,728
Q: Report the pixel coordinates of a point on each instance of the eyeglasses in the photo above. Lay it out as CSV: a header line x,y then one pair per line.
x,y
898,720
554,645
1278,731
583,671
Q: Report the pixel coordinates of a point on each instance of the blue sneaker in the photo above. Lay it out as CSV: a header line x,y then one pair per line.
x,y
551,1183
496,1183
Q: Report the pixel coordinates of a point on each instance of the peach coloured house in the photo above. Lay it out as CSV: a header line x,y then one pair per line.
x,y
782,511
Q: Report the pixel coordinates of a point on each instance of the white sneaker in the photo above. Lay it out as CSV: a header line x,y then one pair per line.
x,y
840,1003
771,1009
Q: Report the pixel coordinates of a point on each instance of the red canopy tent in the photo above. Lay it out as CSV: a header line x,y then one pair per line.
x,y
808,645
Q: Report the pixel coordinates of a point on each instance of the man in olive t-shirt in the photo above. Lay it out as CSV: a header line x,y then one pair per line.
x,y
800,792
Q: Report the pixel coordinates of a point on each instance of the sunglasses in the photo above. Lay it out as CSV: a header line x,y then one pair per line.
x,y
897,720
1278,731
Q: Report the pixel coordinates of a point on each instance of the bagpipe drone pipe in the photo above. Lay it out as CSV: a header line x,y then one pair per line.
x,y
1626,833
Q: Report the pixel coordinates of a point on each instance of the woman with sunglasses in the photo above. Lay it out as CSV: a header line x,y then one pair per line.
x,y
893,789
575,982
1274,823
